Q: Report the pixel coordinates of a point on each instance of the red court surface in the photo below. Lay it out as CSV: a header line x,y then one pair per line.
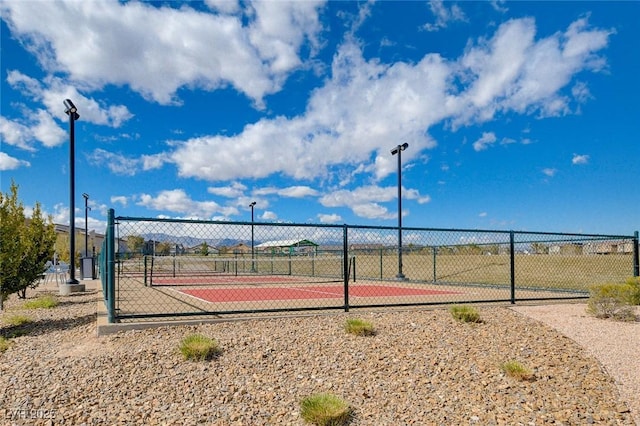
x,y
250,294
223,279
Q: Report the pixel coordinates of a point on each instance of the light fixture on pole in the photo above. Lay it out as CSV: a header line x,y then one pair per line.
x,y
86,224
253,265
72,112
398,150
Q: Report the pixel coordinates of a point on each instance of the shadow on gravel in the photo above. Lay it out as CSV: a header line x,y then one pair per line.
x,y
41,327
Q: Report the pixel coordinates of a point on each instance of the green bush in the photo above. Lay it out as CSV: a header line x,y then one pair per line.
x,y
197,347
4,344
634,282
359,327
611,301
18,320
325,409
516,370
45,301
464,313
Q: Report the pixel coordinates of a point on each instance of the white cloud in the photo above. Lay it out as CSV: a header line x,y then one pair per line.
x,y
177,201
365,104
234,190
514,72
580,92
498,5
372,211
549,172
117,163
52,90
224,6
16,134
414,194
580,159
298,191
47,131
483,214
10,163
268,216
443,15
487,139
364,201
150,162
158,50
119,199
329,218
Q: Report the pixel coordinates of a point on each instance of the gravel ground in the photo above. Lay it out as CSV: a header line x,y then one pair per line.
x,y
421,367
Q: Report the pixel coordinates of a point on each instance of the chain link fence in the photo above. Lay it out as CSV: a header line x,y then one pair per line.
x,y
161,268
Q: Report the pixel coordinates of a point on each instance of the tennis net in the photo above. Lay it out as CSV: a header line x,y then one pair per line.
x,y
209,270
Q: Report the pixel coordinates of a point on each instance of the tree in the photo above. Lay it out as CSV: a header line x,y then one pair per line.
x,y
539,248
135,243
204,249
27,244
163,248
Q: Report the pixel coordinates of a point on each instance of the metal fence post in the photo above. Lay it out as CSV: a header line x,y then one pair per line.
x,y
513,267
636,256
345,267
110,267
435,254
144,263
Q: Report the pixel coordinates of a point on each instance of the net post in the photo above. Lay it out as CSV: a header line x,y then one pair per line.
x,y
145,259
435,255
353,259
345,266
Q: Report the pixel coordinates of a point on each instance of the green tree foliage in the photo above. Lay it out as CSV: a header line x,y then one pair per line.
x,y
163,248
135,243
204,249
26,246
539,248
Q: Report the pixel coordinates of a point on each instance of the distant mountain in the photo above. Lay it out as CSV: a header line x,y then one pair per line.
x,y
188,241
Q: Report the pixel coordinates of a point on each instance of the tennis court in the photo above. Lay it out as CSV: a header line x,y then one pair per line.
x,y
248,294
230,280
186,286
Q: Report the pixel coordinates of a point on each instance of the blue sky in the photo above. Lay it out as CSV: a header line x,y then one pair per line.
x,y
518,115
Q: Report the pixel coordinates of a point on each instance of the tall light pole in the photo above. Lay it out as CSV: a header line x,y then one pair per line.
x,y
86,224
398,150
253,265
72,112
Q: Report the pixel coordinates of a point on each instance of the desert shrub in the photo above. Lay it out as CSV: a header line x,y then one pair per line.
x,y
611,301
359,327
45,301
516,370
18,320
634,282
4,344
325,409
464,313
196,347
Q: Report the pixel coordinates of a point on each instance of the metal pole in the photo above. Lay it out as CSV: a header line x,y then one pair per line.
x,y
109,266
398,150
512,253
253,264
86,225
345,266
72,203
400,275
636,255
